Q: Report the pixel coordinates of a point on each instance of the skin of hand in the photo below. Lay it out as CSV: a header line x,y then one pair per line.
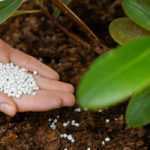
x,y
52,94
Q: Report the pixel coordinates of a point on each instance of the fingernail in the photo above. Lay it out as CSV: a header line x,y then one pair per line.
x,y
7,109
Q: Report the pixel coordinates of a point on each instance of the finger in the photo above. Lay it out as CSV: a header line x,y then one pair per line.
x,y
4,52
68,99
33,64
7,105
48,84
42,101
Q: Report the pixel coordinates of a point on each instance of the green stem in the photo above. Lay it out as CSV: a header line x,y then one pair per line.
x,y
25,12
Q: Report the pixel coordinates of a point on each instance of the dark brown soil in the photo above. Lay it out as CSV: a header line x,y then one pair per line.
x,y
36,35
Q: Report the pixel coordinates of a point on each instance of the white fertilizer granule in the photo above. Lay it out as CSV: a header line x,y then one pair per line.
x,y
16,81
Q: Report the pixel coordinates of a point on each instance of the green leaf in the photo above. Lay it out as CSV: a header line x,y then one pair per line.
x,y
138,11
138,111
4,3
116,75
124,30
7,8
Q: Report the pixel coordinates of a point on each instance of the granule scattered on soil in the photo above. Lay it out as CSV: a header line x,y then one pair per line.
x,y
77,109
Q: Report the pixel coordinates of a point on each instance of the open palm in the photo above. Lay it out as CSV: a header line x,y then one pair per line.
x,y
52,94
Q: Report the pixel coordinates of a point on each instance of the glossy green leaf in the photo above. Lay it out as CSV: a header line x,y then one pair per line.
x,y
124,30
4,3
138,112
7,8
138,11
116,75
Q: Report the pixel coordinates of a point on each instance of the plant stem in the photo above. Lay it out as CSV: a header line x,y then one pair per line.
x,y
96,42
24,12
78,40
66,10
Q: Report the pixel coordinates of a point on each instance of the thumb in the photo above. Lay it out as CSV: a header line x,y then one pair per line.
x,y
7,106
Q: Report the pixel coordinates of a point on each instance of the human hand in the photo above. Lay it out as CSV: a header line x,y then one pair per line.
x,y
52,94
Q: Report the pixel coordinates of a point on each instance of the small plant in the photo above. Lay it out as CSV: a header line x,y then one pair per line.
x,y
9,8
125,29
123,72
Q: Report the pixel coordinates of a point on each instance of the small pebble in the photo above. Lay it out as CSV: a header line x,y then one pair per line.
x,y
77,110
103,142
107,139
65,124
107,120
68,137
73,123
52,123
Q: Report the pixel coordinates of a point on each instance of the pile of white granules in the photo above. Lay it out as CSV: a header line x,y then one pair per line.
x,y
16,81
